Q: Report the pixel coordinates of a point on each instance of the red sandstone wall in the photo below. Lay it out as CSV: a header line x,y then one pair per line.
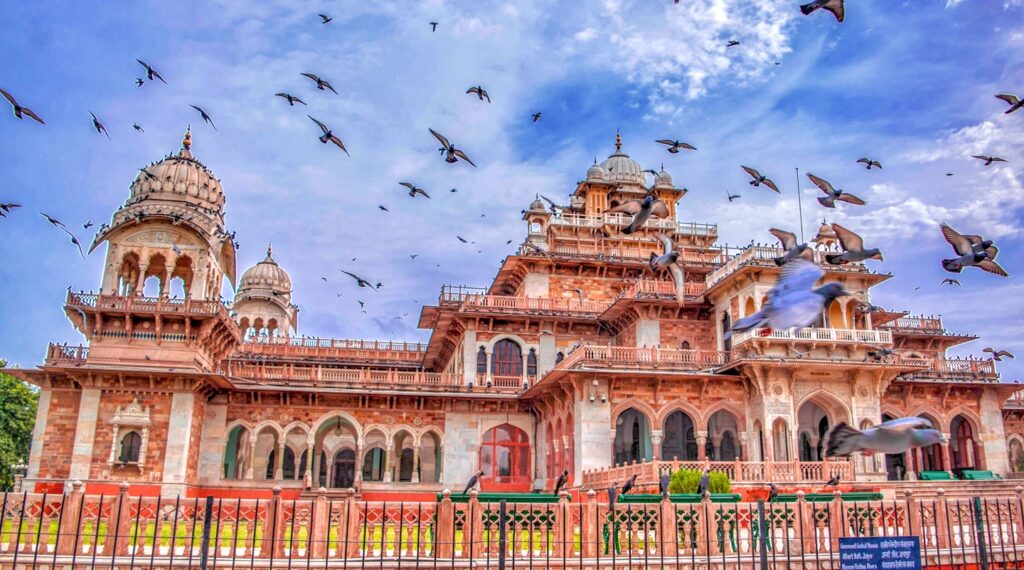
x,y
594,288
700,334
59,435
195,439
159,414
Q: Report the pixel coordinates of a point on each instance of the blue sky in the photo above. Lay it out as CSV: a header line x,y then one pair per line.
x,y
908,83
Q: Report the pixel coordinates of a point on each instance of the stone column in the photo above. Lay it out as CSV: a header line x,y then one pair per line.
x,y
416,464
213,443
359,463
85,434
594,437
279,459
916,466
743,453
388,452
716,448
947,460
179,444
656,438
702,440
469,357
814,447
250,470
309,475
35,455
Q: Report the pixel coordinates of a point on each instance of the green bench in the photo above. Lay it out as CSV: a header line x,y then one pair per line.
x,y
935,476
826,497
679,498
508,497
976,475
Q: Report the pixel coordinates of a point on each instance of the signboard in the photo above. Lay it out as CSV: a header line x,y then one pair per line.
x,y
880,553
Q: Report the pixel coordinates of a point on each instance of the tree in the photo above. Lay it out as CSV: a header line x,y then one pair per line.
x,y
18,402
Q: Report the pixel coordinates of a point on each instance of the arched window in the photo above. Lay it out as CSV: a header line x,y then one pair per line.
x,y
531,364
505,455
373,465
131,445
481,362
632,437
685,345
506,359
271,463
344,468
679,441
289,463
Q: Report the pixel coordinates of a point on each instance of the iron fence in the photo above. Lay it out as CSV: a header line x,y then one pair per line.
x,y
75,530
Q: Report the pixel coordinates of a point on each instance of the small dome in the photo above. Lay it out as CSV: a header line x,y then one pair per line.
x,y
620,168
663,179
825,232
266,274
537,205
179,178
596,173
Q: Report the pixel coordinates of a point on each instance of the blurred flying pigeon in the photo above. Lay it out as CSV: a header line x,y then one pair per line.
x,y
433,26
292,99
413,190
667,260
451,153
705,480
472,482
792,248
853,248
731,197
998,355
674,146
321,84
973,250
562,480
205,116
640,211
96,124
732,43
831,194
870,163
20,111
360,281
1014,102
150,72
325,19
480,92
988,159
758,179
950,281
891,437
835,6
792,302
328,135
536,116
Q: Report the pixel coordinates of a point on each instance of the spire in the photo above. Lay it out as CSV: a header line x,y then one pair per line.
x,y
618,141
186,144
270,253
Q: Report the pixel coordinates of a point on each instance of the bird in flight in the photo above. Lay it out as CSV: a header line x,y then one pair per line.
x,y
792,248
326,19
674,146
667,260
19,111
290,98
360,281
150,72
988,159
831,194
732,43
137,127
893,436
413,190
951,281
87,225
60,225
731,197
328,135
998,355
536,116
205,116
853,248
870,163
139,82
321,84
6,207
383,209
480,92
972,250
758,179
641,211
1014,102
451,153
462,239
96,124
835,6
433,26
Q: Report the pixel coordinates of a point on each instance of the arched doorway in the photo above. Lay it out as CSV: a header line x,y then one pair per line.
x,y
931,456
721,443
333,435
780,439
505,459
344,469
1016,452
236,453
964,448
679,441
815,417
632,438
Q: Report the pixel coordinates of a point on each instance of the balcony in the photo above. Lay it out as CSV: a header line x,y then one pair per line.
x,y
134,304
663,224
624,251
634,357
764,256
651,289
649,472
913,324
813,336
957,370
472,299
65,355
334,348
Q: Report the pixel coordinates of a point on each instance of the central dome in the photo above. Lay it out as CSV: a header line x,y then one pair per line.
x,y
619,167
179,178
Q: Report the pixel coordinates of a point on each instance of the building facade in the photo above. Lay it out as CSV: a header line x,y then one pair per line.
x,y
577,358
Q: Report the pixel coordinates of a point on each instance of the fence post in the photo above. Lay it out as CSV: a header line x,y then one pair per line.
x,y
70,521
351,536
475,522
914,518
979,517
277,526
701,520
502,537
204,544
667,533
561,520
588,526
121,521
319,525
762,534
836,520
445,526
941,512
1018,528
805,524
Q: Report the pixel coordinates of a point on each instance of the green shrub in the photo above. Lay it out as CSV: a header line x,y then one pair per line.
x,y
686,481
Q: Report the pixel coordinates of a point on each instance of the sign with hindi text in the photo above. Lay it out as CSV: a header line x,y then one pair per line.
x,y
880,553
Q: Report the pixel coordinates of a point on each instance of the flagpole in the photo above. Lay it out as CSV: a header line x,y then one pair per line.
x,y
800,204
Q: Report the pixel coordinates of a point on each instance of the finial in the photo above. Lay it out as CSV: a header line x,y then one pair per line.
x,y
663,167
187,143
618,141
270,250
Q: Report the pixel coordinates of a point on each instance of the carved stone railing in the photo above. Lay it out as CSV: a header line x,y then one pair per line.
x,y
814,335
686,228
135,304
649,472
764,256
957,369
58,354
644,287
313,347
505,303
596,356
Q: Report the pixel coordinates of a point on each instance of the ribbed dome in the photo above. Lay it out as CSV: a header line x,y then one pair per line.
x,y
179,178
620,168
825,232
663,179
266,274
537,205
596,173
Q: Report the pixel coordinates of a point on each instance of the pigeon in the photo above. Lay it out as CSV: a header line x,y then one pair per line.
x,y
1014,102
663,483
628,485
831,194
998,355
60,225
579,294
853,248
950,281
613,494
96,124
19,111
290,98
139,82
536,117
973,250
792,302
451,153
731,197
137,127
205,116
472,482
667,260
562,480
835,6
640,211
705,480
870,163
988,159
321,84
6,207
453,190
328,136
759,180
480,92
149,175
150,72
325,18
674,146
949,174
413,190
414,256
361,304
360,281
732,43
87,225
833,481
773,492
893,436
554,207
865,307
433,26
791,247
880,352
